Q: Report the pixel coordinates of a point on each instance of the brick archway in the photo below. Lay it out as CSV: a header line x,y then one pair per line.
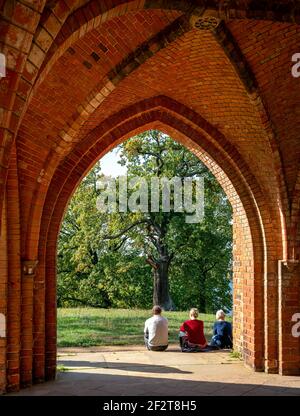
x,y
250,239
216,76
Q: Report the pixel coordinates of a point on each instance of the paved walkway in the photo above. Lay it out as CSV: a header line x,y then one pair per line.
x,y
115,371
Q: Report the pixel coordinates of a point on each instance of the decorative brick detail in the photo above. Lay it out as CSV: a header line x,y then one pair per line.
x,y
207,23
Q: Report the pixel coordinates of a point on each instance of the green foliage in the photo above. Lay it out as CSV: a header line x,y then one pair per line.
x,y
201,271
90,272
97,271
236,354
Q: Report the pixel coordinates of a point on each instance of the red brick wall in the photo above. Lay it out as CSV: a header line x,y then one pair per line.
x,y
84,75
14,278
3,296
289,305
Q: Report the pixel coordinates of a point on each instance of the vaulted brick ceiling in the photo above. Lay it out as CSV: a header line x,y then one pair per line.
x,y
75,48
192,69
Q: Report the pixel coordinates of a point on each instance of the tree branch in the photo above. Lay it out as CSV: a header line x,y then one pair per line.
x,y
152,263
118,246
113,237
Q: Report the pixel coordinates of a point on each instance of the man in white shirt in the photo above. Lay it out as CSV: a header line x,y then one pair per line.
x,y
156,331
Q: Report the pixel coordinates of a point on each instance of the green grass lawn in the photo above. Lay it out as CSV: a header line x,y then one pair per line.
x,y
86,327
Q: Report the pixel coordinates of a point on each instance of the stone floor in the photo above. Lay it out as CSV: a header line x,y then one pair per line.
x,y
119,371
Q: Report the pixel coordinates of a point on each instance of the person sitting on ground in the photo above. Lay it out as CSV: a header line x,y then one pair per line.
x,y
191,335
156,331
222,332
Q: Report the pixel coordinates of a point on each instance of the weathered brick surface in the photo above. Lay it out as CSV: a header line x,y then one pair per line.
x,y
289,303
14,278
3,296
83,76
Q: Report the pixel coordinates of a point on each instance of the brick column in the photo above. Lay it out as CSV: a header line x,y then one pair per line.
x,y
39,326
50,313
3,299
248,318
14,277
237,285
28,273
271,319
289,305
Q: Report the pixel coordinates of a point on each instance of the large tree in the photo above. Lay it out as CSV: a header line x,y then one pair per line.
x,y
161,235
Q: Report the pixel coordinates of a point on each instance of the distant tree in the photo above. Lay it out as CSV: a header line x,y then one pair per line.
x,y
92,271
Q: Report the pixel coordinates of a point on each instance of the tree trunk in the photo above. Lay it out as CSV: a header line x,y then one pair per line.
x,y
161,295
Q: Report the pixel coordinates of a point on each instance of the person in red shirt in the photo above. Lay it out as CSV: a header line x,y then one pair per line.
x,y
191,334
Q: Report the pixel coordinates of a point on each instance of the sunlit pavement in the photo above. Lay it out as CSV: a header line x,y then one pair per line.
x,y
122,371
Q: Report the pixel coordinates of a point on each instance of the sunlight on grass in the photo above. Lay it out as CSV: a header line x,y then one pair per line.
x,y
236,354
86,327
61,368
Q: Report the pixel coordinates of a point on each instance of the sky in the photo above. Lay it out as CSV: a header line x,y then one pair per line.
x,y
109,164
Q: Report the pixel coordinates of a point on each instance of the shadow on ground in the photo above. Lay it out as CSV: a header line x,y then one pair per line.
x,y
143,368
91,384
